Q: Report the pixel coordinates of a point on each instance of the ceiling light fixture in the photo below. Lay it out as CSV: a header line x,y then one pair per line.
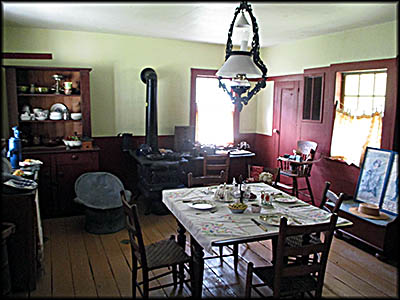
x,y
242,65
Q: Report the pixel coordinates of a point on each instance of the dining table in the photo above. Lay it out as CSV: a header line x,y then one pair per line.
x,y
210,223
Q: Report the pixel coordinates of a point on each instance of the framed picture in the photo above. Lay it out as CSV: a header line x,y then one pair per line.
x,y
377,183
391,198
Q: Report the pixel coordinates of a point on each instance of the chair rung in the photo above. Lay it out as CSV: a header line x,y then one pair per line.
x,y
218,256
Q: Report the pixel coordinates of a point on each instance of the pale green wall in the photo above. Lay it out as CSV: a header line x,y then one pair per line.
x,y
367,43
117,93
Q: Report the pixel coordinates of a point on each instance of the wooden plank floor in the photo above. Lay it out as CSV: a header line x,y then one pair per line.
x,y
80,264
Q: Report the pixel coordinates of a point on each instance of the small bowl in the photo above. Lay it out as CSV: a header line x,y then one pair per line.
x,y
237,210
255,208
41,118
22,88
72,143
41,89
55,115
76,116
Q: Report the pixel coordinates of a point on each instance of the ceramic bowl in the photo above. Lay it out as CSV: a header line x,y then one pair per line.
x,y
255,208
55,115
72,143
41,118
76,116
41,89
235,209
22,88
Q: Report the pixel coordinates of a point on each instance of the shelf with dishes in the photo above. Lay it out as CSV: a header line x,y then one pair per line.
x,y
46,95
48,121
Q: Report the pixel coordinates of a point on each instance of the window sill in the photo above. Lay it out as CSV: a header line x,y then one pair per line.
x,y
340,160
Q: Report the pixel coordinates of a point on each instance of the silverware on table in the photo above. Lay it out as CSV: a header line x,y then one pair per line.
x,y
298,205
259,225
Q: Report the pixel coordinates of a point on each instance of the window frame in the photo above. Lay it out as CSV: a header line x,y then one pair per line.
x,y
208,73
358,72
313,76
389,125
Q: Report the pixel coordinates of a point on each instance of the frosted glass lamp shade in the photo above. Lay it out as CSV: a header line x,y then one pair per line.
x,y
242,22
239,63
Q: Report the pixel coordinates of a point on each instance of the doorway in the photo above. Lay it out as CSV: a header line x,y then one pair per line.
x,y
286,114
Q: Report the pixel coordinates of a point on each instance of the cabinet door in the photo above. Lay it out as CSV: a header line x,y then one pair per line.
x,y
69,166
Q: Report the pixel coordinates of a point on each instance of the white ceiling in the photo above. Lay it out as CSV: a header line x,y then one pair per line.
x,y
208,22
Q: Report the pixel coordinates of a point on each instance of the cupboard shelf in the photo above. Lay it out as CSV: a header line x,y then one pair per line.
x,y
50,121
47,95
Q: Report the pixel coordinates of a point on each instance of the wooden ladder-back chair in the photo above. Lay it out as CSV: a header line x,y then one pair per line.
x,y
327,196
298,169
158,255
330,196
293,278
207,181
214,164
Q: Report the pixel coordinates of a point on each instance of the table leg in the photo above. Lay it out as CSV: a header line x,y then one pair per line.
x,y
181,235
198,268
181,242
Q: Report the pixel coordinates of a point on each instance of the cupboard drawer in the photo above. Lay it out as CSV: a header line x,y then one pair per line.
x,y
87,158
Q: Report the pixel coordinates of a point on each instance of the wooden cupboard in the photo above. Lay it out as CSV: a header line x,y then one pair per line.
x,y
42,139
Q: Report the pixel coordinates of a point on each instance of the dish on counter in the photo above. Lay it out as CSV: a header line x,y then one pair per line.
x,y
70,143
201,204
30,162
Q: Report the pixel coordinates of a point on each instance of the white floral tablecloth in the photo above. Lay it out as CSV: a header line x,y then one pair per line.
x,y
219,224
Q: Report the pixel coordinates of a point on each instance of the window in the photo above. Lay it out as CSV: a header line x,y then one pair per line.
x,y
212,111
360,106
312,106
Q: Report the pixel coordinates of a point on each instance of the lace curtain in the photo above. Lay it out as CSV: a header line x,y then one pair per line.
x,y
352,134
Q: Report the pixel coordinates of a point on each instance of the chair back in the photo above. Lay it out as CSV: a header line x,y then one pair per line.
x,y
308,272
205,180
330,196
214,164
135,233
99,190
308,150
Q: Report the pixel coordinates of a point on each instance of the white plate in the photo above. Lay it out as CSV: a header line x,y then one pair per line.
x,y
275,220
285,200
201,204
59,107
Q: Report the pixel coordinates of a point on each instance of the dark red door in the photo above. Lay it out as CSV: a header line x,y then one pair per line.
x,y
286,106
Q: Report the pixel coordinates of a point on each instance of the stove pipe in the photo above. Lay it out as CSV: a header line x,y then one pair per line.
x,y
149,77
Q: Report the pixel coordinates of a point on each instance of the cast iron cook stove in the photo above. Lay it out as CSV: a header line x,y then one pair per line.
x,y
156,171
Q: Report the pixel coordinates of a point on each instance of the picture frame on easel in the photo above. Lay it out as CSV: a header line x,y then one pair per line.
x,y
378,180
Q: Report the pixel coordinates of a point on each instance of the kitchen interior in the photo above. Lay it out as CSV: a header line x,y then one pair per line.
x,y
88,105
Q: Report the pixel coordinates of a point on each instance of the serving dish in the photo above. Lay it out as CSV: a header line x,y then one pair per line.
x,y
237,208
